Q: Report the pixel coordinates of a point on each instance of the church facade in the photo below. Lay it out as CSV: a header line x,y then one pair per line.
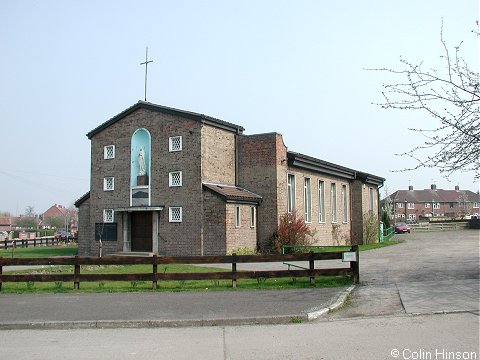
x,y
174,182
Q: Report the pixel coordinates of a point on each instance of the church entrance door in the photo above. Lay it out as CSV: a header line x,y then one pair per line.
x,y
141,231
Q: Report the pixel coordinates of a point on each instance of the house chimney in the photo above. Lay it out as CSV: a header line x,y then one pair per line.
x,y
457,188
433,187
410,187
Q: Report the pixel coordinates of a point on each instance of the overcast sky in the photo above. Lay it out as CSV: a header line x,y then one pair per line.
x,y
294,67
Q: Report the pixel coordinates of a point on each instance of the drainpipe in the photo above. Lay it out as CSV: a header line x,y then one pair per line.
x,y
236,157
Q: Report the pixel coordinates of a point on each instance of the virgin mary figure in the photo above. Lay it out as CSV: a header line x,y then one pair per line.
x,y
142,170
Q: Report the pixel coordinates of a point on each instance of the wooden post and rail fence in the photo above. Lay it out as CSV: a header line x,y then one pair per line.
x,y
37,241
348,257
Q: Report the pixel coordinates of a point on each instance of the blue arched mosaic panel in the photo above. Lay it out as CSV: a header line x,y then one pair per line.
x,y
140,156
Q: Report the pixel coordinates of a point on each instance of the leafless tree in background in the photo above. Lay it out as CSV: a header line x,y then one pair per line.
x,y
451,95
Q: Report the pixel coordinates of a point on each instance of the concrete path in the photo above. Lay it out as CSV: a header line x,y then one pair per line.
x,y
436,272
164,308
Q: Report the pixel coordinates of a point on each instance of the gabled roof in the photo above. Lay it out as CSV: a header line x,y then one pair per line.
x,y
204,119
437,195
233,193
310,163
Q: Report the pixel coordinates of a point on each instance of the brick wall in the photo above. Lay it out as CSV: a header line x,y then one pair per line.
x,y
214,224
259,158
242,236
218,155
357,211
175,238
85,234
327,232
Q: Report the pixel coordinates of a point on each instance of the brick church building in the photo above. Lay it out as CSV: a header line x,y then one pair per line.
x,y
174,182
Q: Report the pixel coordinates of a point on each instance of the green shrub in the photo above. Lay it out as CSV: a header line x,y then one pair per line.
x,y
370,229
242,251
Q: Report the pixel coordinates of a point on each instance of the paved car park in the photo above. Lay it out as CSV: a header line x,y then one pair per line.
x,y
430,272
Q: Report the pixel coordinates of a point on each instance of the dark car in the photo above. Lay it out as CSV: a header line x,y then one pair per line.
x,y
62,235
402,228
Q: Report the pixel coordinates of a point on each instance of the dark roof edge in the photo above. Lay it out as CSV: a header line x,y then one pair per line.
x,y
204,119
314,164
253,199
84,198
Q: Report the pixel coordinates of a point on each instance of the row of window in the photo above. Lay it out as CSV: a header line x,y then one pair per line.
x,y
175,179
174,144
435,205
307,200
174,215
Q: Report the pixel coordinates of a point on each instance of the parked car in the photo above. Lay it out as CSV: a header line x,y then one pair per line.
x,y
4,234
402,228
62,235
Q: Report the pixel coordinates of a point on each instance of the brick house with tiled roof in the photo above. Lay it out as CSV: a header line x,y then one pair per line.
x,y
417,204
55,211
6,223
174,182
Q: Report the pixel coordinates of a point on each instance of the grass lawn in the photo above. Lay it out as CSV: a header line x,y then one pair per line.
x,y
133,286
347,248
40,251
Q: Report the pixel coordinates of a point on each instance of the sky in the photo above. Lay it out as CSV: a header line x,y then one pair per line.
x,y
298,68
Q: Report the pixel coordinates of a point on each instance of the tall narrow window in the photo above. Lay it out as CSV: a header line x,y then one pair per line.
x,y
321,201
333,202
237,216
253,216
372,202
344,204
307,200
290,192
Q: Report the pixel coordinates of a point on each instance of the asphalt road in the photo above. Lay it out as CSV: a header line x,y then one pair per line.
x,y
428,273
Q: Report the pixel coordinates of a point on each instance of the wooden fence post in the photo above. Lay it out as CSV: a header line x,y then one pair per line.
x,y
234,270
1,274
355,265
154,270
312,267
76,274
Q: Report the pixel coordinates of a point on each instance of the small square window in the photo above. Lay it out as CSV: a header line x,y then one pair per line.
x,y
109,152
109,183
175,143
175,214
175,178
108,215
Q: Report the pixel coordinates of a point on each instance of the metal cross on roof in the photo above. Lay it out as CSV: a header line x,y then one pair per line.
x,y
146,62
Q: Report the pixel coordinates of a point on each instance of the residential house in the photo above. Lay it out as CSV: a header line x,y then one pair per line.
x,y
6,223
416,205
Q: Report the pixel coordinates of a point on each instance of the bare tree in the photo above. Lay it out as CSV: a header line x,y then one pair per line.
x,y
450,95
